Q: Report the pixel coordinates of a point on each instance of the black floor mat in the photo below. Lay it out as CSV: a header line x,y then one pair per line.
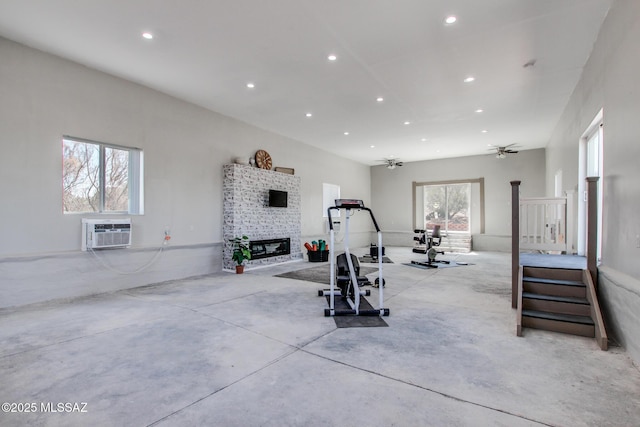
x,y
370,260
320,274
439,265
356,321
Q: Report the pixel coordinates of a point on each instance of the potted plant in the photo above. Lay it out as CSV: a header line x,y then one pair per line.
x,y
241,252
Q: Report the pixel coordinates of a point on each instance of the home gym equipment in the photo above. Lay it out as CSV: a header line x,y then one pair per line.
x,y
420,241
423,241
345,268
373,251
427,244
431,259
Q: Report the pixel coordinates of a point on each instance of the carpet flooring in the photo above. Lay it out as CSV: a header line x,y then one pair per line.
x,y
553,261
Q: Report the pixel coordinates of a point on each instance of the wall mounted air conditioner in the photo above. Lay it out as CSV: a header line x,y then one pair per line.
x,y
105,233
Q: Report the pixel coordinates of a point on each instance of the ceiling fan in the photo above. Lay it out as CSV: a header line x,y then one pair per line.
x,y
391,163
501,152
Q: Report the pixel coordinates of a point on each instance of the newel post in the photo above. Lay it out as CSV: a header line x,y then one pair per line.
x,y
515,241
592,228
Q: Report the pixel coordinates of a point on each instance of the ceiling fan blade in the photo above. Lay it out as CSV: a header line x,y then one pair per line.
x,y
511,151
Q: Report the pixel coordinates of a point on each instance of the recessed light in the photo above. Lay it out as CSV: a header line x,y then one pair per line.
x,y
469,79
484,131
346,133
479,110
450,20
373,146
308,114
424,140
147,35
407,122
379,99
332,57
251,85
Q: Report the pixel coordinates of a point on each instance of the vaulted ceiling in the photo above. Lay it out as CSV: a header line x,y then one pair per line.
x,y
395,89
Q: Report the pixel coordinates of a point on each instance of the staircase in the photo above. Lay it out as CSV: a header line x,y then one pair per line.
x,y
456,242
560,300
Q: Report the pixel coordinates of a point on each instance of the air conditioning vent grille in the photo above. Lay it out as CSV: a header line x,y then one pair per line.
x,y
105,233
112,239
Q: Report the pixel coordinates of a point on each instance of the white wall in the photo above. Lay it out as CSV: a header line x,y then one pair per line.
x,y
392,191
43,97
610,81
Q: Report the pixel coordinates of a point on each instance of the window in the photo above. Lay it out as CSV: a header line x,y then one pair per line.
x,y
456,205
100,177
447,206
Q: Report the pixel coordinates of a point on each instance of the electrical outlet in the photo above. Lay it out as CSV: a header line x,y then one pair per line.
x,y
167,235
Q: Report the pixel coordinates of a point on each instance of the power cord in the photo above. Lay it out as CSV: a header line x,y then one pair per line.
x,y
155,257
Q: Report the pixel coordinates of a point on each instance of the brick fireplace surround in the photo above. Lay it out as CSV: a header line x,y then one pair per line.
x,y
246,211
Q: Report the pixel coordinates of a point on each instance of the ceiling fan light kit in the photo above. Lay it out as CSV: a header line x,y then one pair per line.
x,y
391,163
501,152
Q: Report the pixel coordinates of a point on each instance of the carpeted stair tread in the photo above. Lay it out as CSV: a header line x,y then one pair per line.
x,y
571,300
570,318
553,281
544,267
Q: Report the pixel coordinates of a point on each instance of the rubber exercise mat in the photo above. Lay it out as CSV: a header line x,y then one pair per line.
x,y
370,260
439,265
320,274
356,321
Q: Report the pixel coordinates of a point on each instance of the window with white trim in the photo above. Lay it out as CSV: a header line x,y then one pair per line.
x,y
100,177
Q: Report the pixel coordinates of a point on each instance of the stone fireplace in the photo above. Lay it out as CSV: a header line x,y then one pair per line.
x,y
274,232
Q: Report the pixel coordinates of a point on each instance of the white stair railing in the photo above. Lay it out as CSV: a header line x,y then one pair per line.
x,y
546,223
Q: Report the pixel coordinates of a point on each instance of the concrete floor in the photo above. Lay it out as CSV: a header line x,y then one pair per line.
x,y
256,350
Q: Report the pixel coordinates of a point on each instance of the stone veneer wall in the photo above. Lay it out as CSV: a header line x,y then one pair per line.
x,y
246,211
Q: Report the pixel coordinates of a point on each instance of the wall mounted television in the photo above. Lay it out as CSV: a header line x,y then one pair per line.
x,y
278,199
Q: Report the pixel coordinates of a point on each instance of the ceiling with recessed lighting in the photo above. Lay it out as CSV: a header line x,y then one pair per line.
x,y
365,79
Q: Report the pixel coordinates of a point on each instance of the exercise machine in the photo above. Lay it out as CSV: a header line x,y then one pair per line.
x,y
423,241
345,281
428,244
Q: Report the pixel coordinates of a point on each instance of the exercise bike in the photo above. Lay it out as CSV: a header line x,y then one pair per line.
x,y
345,269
